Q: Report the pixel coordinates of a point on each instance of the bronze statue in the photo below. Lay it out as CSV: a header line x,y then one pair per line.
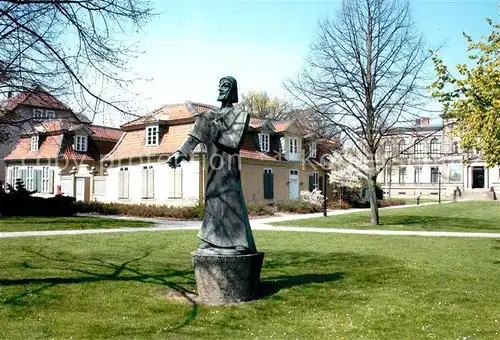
x,y
225,227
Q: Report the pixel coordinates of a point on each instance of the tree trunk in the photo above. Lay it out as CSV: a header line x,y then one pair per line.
x,y
372,187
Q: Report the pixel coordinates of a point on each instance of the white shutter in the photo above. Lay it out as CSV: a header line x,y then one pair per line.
x,y
51,181
10,179
151,182
121,174
125,187
178,182
22,175
170,182
144,182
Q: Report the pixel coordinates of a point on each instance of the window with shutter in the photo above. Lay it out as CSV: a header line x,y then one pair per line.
x,y
293,154
51,182
320,183
38,181
174,182
264,142
315,176
34,143
151,182
22,175
313,149
123,183
268,183
147,181
152,135
81,143
30,178
11,176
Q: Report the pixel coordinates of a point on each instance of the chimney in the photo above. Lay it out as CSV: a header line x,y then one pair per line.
x,y
425,121
417,121
9,94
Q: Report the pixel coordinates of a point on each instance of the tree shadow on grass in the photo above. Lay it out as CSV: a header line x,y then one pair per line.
x,y
97,270
271,286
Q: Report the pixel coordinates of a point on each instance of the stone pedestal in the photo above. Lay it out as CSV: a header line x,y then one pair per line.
x,y
224,279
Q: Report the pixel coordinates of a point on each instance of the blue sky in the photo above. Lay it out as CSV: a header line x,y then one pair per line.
x,y
193,43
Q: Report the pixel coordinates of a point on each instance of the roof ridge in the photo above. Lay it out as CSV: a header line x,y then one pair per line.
x,y
106,127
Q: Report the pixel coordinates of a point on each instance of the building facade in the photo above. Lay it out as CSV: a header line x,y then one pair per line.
x,y
428,162
276,159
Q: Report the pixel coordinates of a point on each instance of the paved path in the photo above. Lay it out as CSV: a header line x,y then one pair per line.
x,y
256,226
161,224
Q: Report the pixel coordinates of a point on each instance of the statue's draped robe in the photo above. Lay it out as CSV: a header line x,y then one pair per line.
x,y
226,223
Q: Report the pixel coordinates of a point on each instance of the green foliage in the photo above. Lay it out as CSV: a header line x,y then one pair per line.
x,y
17,201
474,98
259,104
297,206
260,209
193,212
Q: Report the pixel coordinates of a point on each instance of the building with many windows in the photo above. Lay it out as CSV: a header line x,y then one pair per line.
x,y
428,161
277,160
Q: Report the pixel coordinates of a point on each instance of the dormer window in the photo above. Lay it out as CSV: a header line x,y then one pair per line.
x,y
34,143
264,142
37,113
50,114
312,150
41,114
81,143
152,135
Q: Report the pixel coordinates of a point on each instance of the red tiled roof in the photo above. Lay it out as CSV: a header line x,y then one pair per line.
x,y
36,97
106,133
133,143
281,126
60,145
248,150
70,153
173,112
256,122
49,149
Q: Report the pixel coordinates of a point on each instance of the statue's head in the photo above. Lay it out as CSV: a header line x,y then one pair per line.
x,y
228,90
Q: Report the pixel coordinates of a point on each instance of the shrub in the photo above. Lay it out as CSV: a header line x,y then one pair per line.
x,y
297,206
260,209
191,212
381,203
312,197
19,202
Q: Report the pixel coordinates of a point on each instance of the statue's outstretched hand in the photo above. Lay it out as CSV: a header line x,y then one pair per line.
x,y
175,160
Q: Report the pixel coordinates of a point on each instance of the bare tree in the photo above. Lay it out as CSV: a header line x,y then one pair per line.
x,y
364,77
71,48
259,104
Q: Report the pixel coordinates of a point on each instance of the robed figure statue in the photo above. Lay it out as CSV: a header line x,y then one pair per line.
x,y
225,226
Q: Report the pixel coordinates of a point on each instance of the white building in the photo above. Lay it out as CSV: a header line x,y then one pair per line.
x,y
428,161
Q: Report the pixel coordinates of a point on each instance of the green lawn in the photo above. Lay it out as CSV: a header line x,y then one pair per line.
x,y
316,286
64,223
474,216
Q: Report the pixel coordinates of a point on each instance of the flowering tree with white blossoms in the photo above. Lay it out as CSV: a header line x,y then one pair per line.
x,y
343,172
313,197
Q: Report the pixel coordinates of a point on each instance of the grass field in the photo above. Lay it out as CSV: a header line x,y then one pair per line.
x,y
315,286
64,223
474,216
